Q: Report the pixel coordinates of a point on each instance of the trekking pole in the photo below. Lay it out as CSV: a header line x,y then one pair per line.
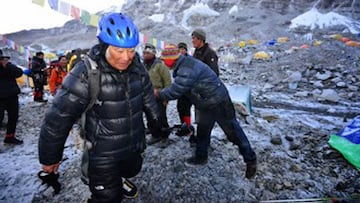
x,y
325,199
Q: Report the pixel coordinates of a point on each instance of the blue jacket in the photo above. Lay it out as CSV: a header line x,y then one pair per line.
x,y
197,81
114,125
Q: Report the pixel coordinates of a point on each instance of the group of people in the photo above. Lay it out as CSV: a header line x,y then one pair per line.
x,y
51,75
41,75
129,87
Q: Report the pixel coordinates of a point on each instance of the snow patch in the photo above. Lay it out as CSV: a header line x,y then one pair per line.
x,y
157,18
197,9
314,19
233,9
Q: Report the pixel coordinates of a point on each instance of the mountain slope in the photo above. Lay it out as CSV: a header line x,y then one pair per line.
x,y
224,21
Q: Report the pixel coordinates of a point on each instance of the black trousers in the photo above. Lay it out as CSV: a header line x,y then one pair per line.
x,y
105,177
11,106
224,115
2,116
163,117
38,80
184,107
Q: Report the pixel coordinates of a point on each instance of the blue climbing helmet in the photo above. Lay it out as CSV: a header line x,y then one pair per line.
x,y
118,30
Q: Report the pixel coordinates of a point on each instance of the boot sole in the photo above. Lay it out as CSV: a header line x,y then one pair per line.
x,y
132,197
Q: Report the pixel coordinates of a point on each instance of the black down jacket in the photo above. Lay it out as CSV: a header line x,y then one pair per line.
x,y
198,82
114,125
8,86
38,65
208,56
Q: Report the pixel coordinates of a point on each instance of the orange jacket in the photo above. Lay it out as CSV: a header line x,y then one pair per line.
x,y
56,77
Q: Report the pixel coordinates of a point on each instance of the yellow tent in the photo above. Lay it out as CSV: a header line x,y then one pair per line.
x,y
336,36
261,55
282,39
25,80
317,42
50,55
21,80
252,42
242,44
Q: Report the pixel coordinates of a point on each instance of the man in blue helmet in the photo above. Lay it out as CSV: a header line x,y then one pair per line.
x,y
114,126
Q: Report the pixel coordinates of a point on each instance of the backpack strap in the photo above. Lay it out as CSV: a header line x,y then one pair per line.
x,y
93,81
94,89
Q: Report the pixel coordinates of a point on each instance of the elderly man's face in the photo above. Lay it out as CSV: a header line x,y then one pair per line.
x,y
119,58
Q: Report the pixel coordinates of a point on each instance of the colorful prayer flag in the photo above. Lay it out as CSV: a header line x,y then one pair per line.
x,y
75,12
146,39
94,20
141,37
64,8
85,17
54,4
154,42
39,2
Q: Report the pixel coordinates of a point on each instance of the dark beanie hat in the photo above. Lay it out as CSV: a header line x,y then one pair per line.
x,y
199,33
40,53
3,57
182,45
149,48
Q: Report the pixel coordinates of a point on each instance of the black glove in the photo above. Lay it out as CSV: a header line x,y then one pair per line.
x,y
185,130
50,179
157,129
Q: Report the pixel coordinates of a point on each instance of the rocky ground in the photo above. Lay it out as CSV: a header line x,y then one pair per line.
x,y
289,130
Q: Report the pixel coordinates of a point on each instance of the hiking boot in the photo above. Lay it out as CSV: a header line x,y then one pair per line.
x,y
129,190
196,160
153,140
43,100
13,140
250,169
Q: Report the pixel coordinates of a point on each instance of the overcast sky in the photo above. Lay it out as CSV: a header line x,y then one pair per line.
x,y
19,15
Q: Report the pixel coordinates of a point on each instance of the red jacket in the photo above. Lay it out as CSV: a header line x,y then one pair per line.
x,y
56,77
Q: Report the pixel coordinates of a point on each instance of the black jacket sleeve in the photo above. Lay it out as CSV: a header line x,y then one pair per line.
x,y
68,105
14,71
211,59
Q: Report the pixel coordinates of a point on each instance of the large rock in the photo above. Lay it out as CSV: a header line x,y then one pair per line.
x,y
330,95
